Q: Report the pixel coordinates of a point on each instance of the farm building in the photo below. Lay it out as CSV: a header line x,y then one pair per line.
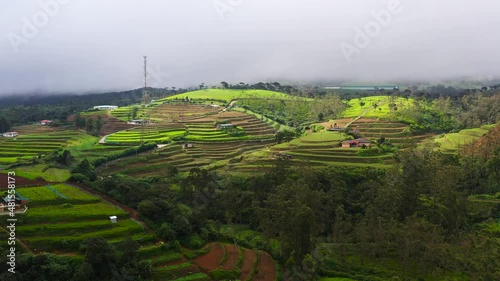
x,y
19,204
136,122
45,122
336,128
356,143
187,145
224,126
105,107
10,134
281,155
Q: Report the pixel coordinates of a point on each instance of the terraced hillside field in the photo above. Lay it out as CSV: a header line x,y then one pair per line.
x,y
60,217
218,260
314,150
126,112
26,147
393,132
159,133
153,163
178,111
208,145
451,142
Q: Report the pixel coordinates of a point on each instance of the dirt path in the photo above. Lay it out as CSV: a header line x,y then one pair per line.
x,y
362,114
103,139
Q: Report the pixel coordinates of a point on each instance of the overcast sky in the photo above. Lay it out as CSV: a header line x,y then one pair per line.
x,y
97,45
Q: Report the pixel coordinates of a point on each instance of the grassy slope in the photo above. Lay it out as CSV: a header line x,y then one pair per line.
x,y
41,171
355,109
87,216
453,141
228,94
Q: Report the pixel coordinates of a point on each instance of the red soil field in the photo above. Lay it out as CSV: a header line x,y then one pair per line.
x,y
232,257
20,181
246,268
266,268
211,260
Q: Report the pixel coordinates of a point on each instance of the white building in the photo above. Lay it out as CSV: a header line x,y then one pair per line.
x,y
136,122
105,107
10,134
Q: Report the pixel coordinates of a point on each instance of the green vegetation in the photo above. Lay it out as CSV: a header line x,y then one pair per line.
x,y
375,106
43,171
229,94
277,183
139,135
28,146
451,142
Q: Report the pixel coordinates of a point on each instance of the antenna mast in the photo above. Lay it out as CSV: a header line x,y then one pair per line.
x,y
145,93
145,72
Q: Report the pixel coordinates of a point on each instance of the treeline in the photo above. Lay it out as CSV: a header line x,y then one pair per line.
x,y
102,261
297,111
270,86
445,114
20,110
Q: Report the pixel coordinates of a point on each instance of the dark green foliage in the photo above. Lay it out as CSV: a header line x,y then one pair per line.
x,y
102,261
86,169
5,124
285,136
220,274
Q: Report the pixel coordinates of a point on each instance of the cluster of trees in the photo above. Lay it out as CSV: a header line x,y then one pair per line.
x,y
91,125
296,111
270,86
29,109
5,124
102,261
445,114
20,115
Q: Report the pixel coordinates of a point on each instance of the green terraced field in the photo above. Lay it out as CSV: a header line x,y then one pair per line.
x,y
146,134
315,150
42,171
451,142
61,213
59,218
27,146
123,113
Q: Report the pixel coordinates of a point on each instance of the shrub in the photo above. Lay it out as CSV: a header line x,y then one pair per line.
x,y
194,242
220,274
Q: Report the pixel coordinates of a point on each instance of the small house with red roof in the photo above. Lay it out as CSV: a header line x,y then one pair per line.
x,y
356,143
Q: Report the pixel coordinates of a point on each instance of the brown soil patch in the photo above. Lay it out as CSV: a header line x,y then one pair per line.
x,y
266,268
211,260
246,268
20,181
232,257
